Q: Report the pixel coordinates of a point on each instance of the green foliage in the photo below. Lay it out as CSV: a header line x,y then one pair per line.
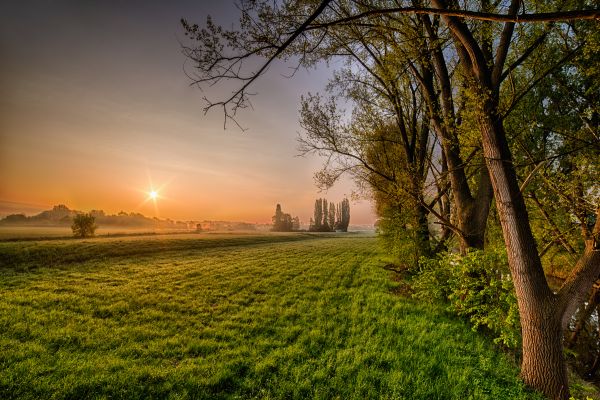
x,y
478,286
218,317
84,225
398,242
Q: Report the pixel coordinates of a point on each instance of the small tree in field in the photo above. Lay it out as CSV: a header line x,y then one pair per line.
x,y
84,225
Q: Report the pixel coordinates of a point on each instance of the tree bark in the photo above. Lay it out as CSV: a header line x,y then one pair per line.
x,y
473,218
543,366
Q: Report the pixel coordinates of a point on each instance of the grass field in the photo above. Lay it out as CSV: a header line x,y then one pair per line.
x,y
229,316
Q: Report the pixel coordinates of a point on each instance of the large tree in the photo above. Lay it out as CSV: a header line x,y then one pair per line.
x,y
544,314
489,48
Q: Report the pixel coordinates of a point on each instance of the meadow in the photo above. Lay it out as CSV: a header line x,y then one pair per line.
x,y
230,316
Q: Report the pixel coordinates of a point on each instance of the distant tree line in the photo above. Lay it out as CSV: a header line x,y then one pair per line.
x,y
328,218
207,226
283,222
61,215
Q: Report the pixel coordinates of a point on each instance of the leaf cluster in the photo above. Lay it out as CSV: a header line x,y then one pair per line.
x,y
477,286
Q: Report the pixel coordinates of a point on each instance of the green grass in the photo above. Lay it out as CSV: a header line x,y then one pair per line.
x,y
281,316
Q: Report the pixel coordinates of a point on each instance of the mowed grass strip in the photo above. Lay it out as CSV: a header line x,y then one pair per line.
x,y
297,319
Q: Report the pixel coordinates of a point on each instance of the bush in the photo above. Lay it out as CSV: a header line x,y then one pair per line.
x,y
478,286
84,225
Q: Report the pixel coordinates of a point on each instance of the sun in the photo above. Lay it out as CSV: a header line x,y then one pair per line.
x,y
153,194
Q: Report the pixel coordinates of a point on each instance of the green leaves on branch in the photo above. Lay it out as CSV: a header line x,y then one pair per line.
x,y
477,286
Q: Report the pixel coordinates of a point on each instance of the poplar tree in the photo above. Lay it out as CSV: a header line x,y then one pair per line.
x,y
331,218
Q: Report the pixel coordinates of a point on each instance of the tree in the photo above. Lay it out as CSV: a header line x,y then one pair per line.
x,y
319,217
331,217
404,97
487,50
278,219
372,147
84,225
325,224
544,314
345,215
283,222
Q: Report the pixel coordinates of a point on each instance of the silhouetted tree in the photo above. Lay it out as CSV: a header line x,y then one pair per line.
x,y
278,219
318,216
328,218
325,224
14,219
331,218
84,225
345,215
283,222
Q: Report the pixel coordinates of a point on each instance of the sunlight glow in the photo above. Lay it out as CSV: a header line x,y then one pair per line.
x,y
152,193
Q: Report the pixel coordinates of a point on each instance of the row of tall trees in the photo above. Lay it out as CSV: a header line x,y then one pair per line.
x,y
283,222
328,218
467,118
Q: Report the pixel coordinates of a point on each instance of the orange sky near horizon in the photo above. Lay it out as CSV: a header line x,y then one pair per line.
x,y
95,111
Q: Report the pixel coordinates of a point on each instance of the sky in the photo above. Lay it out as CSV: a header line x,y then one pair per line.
x,y
96,111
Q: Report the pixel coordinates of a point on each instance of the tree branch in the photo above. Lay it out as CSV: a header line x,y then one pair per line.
x,y
476,15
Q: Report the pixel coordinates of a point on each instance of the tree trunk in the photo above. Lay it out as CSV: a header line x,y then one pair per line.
x,y
543,314
473,217
422,232
543,366
472,211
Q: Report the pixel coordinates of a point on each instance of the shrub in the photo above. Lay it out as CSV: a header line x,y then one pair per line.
x,y
84,225
478,286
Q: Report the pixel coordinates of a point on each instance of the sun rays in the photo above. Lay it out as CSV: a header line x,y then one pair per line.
x,y
154,193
